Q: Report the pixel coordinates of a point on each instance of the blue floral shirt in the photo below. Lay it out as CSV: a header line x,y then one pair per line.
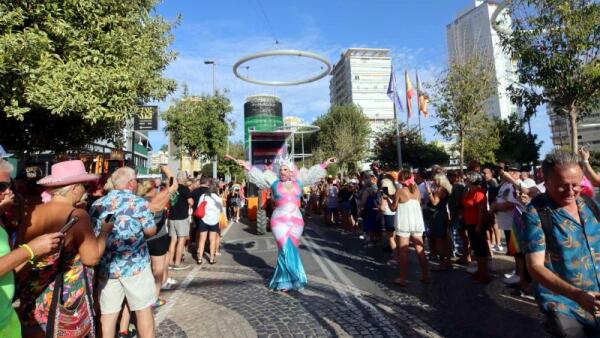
x,y
572,253
126,252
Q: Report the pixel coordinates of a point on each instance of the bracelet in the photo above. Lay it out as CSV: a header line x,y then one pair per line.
x,y
586,161
28,248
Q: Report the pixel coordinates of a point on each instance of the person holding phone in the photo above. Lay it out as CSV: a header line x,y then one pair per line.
x,y
81,248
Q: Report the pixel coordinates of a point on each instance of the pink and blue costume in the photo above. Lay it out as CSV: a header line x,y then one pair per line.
x,y
287,223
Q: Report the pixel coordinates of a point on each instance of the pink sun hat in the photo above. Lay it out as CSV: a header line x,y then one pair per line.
x,y
66,173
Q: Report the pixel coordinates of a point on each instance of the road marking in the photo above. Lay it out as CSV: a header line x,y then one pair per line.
x,y
164,311
323,261
315,248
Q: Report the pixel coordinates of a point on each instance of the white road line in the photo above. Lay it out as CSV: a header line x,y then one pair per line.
x,y
323,260
164,311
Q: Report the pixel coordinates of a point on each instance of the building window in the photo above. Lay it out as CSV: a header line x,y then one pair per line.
x,y
356,77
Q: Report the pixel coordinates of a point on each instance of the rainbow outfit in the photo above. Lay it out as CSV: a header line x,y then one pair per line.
x,y
287,223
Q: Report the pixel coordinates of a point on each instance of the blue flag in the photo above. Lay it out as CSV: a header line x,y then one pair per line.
x,y
392,92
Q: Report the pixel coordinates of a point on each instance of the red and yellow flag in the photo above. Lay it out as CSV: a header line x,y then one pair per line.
x,y
409,94
422,99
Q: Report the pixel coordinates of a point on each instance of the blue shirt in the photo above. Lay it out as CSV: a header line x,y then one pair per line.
x,y
126,252
572,253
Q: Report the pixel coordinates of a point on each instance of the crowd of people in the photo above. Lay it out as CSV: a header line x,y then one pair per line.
x,y
86,255
545,218
73,245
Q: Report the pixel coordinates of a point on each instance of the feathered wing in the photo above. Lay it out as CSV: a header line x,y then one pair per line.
x,y
262,179
311,175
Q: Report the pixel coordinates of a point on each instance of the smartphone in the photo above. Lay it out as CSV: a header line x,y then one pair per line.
x,y
108,218
170,181
385,190
69,224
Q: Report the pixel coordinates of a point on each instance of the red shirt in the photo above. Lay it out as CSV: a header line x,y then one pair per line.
x,y
473,198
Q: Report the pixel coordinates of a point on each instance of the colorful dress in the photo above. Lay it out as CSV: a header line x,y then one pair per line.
x,y
287,224
37,285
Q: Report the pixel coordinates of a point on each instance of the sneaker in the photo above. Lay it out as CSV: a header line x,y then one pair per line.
x,y
167,286
172,281
508,275
512,280
500,249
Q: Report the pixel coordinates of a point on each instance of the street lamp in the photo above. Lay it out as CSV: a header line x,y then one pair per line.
x,y
212,62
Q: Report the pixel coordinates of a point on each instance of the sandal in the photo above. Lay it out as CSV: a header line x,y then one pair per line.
x,y
211,260
199,261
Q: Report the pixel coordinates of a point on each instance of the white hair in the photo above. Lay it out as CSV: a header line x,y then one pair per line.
x,y
121,177
182,177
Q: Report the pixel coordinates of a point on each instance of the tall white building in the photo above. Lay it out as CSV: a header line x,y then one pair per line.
x,y
361,76
588,130
471,34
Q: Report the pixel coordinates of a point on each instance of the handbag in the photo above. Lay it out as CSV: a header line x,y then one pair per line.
x,y
201,209
76,320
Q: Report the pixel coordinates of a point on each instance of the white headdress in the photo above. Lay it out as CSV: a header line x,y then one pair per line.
x,y
284,160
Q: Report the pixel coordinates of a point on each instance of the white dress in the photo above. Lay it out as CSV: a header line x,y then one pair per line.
x,y
409,219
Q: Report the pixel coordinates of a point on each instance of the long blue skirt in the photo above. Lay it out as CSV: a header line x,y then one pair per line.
x,y
289,272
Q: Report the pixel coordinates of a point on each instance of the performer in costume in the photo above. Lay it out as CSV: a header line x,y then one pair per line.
x,y
286,222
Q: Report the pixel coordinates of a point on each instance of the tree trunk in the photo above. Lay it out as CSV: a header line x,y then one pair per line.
x,y
573,126
461,136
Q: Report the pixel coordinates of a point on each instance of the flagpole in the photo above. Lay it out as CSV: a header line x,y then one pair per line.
x,y
398,144
418,104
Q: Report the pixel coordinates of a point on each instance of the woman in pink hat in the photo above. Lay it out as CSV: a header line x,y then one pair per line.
x,y
65,188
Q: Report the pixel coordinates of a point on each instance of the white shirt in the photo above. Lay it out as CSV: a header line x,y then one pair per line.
x,y
213,210
506,193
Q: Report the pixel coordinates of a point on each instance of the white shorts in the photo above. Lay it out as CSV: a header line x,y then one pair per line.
x,y
139,290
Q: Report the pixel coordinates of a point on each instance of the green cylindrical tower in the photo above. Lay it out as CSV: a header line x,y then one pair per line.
x,y
261,113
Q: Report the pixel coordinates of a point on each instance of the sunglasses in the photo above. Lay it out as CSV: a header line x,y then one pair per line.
x,y
4,186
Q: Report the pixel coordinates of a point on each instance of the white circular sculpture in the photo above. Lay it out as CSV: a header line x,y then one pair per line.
x,y
284,52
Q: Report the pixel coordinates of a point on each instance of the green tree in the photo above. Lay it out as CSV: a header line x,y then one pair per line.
x,y
516,145
415,151
459,97
344,134
199,125
73,71
481,140
557,47
236,149
164,147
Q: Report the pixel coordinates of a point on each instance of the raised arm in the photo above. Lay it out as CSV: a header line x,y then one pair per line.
x,y
315,173
263,179
589,172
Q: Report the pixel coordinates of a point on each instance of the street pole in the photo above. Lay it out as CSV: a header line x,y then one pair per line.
x,y
132,150
398,145
214,89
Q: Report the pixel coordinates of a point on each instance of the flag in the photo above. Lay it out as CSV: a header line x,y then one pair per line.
x,y
392,92
422,99
409,94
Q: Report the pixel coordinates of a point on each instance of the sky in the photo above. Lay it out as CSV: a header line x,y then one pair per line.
x,y
225,31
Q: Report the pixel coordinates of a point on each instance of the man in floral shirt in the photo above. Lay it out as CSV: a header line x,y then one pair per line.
x,y
562,245
124,270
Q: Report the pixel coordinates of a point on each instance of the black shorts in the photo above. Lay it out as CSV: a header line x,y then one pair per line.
x,y
159,246
388,222
478,241
203,227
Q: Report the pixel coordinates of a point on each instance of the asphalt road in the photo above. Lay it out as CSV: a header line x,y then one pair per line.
x,y
350,293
